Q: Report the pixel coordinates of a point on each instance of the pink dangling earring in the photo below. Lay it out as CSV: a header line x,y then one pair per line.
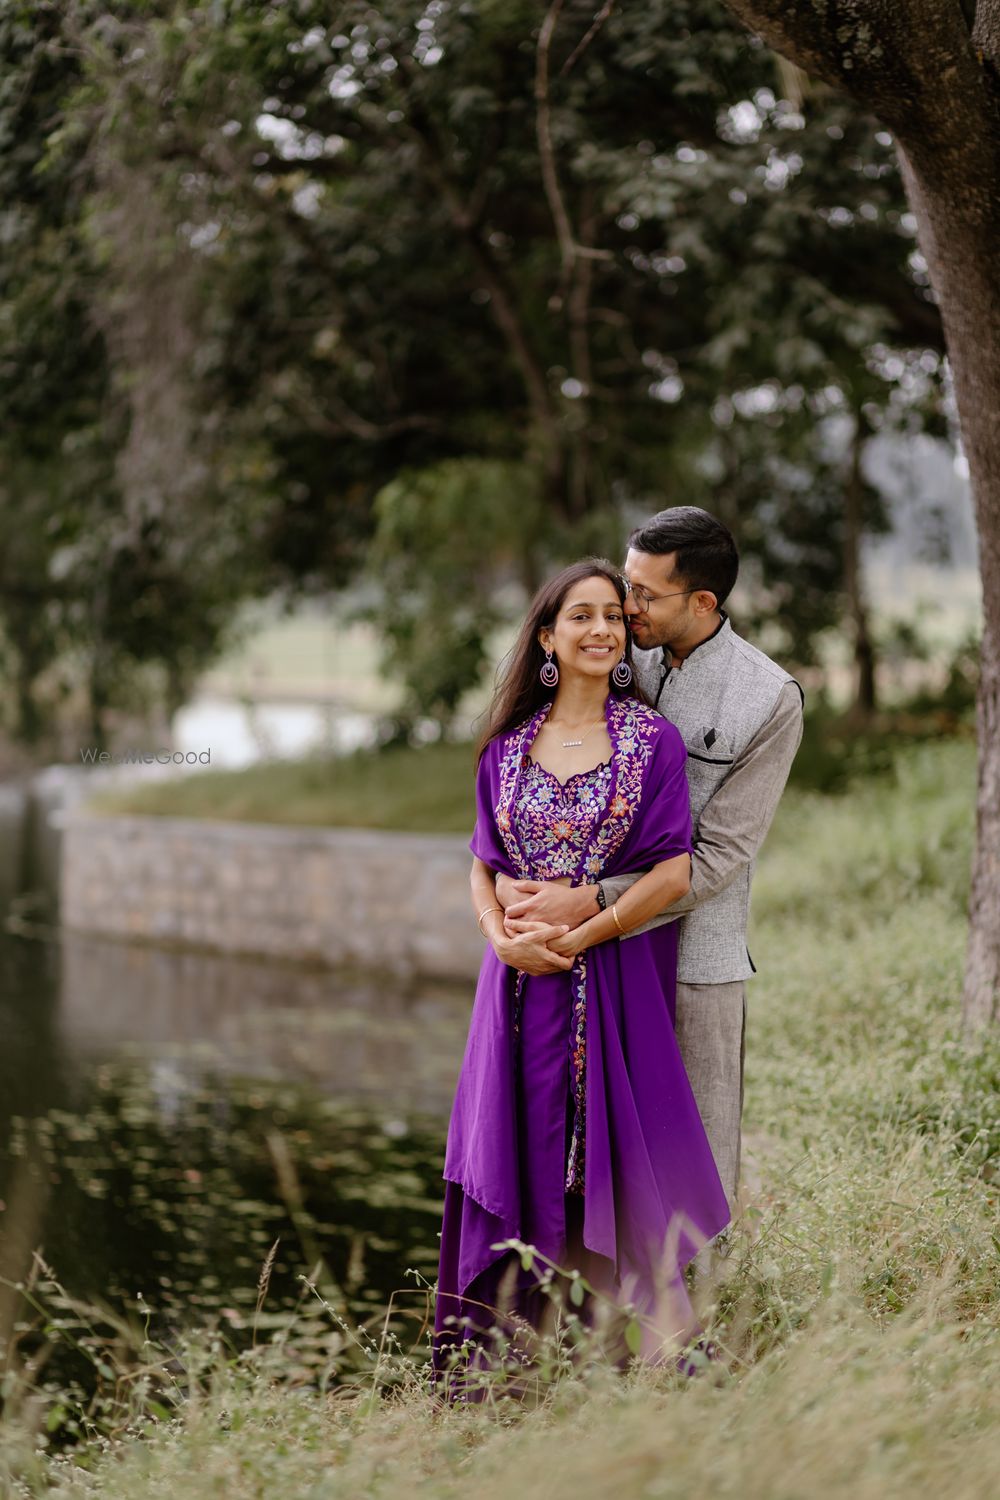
x,y
549,674
621,674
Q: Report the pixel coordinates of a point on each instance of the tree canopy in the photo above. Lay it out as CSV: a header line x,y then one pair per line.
x,y
283,296
931,71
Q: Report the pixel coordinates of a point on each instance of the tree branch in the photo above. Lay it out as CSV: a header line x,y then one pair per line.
x,y
546,151
345,419
501,300
589,35
502,304
570,250
578,323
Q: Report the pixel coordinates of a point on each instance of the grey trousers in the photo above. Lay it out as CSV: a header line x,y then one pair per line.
x,y
711,1033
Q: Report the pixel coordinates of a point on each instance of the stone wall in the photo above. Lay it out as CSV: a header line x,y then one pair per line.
x,y
396,901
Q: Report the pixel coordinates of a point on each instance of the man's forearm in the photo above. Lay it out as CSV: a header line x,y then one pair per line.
x,y
709,876
615,886
734,822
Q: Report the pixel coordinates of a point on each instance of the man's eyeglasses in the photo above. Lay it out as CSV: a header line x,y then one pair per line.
x,y
643,598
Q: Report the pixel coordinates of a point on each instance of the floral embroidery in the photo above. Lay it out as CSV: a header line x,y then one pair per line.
x,y
512,762
576,1161
552,830
633,728
555,823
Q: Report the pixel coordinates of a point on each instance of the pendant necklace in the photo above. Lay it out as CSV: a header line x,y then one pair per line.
x,y
571,744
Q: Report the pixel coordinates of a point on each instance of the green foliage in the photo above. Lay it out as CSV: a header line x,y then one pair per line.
x,y
262,266
107,564
958,695
903,835
446,539
833,755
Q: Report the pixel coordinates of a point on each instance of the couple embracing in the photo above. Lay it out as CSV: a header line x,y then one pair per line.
x,y
622,796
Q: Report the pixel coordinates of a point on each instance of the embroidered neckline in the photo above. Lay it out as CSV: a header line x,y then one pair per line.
x,y
601,765
631,729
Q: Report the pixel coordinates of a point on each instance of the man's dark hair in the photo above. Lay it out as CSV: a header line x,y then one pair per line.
x,y
706,551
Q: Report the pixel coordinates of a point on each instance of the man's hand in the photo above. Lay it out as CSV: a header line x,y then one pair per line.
x,y
545,901
528,950
567,945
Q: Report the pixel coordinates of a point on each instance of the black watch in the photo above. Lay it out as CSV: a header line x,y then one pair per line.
x,y
601,898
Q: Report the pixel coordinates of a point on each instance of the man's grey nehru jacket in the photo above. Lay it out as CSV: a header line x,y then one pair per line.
x,y
740,715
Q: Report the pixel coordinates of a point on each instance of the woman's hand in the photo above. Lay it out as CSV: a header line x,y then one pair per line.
x,y
534,951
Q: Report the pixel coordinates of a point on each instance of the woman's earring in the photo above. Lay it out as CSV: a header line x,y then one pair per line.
x,y
549,674
621,674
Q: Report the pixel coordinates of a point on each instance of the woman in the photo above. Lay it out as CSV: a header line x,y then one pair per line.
x,y
574,1128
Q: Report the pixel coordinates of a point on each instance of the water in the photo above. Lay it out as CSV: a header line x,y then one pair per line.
x,y
241,733
165,1117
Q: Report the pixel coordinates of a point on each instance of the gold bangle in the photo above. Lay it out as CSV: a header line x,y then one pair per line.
x,y
614,913
485,913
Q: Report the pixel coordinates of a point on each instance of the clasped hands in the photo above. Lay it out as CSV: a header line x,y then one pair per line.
x,y
540,922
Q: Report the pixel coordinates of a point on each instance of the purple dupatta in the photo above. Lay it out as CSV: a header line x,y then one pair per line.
x,y
648,1176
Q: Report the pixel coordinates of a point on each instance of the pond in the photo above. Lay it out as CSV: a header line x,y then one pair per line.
x,y
167,1117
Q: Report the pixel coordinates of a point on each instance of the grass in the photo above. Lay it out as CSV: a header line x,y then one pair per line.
x,y
425,790
860,1312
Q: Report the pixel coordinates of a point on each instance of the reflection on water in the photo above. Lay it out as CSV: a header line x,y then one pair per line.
x,y
176,1192
165,1117
352,1036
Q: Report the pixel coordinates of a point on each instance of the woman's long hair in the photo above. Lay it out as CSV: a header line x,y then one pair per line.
x,y
520,692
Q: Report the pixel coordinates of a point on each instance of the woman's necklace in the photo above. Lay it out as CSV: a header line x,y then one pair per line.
x,y
570,744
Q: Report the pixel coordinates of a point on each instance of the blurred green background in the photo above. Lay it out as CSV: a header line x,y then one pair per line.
x,y
322,340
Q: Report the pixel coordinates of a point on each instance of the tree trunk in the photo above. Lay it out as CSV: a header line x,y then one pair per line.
x,y
29,719
863,708
177,691
963,259
30,658
981,1001
931,71
97,703
959,230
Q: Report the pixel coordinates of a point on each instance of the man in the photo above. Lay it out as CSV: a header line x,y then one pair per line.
x,y
741,718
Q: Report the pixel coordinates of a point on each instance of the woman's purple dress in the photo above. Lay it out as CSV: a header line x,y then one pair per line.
x,y
574,1127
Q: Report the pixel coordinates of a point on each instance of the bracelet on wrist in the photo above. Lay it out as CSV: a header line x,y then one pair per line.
x,y
485,913
614,913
